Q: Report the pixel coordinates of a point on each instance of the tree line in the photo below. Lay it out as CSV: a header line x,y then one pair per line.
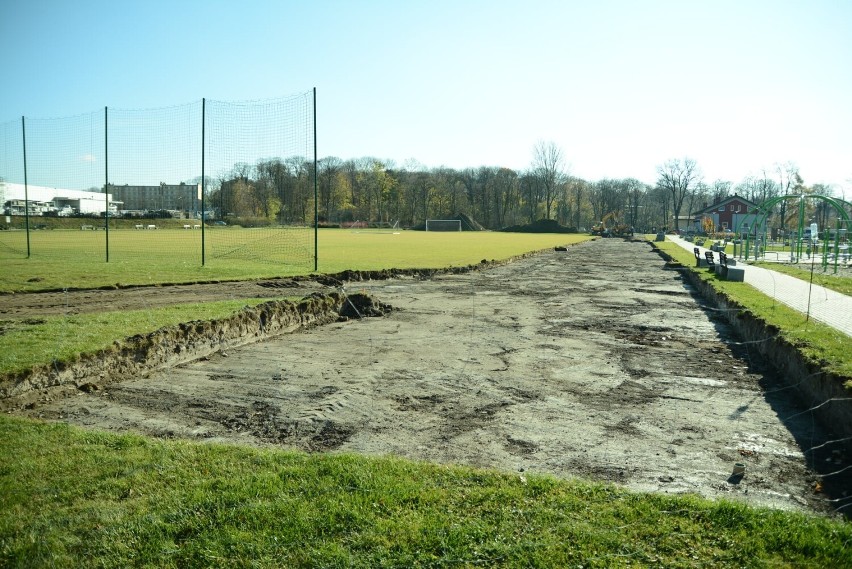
x,y
375,190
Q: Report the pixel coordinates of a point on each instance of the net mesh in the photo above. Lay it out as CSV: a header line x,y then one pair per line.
x,y
257,158
260,163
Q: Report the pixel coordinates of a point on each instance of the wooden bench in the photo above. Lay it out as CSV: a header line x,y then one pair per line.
x,y
711,264
728,270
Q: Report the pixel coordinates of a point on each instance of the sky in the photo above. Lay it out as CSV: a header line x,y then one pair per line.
x,y
620,87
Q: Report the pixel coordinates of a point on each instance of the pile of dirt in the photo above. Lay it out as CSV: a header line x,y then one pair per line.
x,y
540,226
360,305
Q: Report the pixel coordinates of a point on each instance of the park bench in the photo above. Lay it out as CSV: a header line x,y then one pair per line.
x,y
699,262
711,264
728,270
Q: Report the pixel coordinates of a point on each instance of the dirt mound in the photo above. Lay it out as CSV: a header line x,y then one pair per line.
x,y
360,305
540,226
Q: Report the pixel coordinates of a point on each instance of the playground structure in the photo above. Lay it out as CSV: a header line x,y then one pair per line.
x,y
830,249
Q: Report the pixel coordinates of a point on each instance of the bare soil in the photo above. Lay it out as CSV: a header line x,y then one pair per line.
x,y
596,362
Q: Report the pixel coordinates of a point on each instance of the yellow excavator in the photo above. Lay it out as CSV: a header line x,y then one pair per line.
x,y
610,226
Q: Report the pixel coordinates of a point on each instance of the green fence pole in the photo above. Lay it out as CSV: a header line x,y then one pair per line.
x,y
203,180
106,183
26,188
316,201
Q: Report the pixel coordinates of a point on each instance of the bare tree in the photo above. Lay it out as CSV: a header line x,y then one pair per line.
x,y
549,168
329,168
789,178
679,178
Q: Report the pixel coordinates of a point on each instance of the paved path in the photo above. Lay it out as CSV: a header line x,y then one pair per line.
x,y
826,305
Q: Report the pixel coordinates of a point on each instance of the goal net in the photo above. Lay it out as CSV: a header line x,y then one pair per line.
x,y
443,225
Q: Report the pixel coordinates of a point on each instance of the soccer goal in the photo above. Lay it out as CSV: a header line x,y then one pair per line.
x,y
443,225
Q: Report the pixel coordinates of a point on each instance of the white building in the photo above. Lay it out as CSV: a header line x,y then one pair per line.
x,y
43,200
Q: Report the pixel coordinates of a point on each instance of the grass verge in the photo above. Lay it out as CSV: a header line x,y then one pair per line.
x,y
28,342
821,344
840,284
75,498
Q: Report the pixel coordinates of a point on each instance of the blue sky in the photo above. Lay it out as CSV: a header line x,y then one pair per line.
x,y
620,87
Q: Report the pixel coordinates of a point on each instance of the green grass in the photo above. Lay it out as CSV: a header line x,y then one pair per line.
x,y
838,283
76,259
74,498
822,344
25,343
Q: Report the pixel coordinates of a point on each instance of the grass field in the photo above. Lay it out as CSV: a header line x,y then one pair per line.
x,y
76,259
75,498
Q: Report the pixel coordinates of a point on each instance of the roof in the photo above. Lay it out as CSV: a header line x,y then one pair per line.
x,y
713,208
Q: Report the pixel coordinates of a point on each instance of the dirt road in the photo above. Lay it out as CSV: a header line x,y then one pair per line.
x,y
596,362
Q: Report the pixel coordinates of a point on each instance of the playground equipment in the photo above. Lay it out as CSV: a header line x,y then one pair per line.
x,y
804,241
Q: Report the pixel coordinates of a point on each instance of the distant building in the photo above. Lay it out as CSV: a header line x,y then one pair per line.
x,y
53,201
184,198
728,214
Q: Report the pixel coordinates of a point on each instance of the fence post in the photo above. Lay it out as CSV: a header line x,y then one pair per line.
x,y
203,179
106,181
26,188
316,201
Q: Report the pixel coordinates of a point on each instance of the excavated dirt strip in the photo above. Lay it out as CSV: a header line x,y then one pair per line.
x,y
595,362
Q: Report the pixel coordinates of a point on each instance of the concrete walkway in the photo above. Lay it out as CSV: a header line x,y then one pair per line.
x,y
826,305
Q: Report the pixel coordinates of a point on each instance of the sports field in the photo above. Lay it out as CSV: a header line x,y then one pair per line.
x,y
76,259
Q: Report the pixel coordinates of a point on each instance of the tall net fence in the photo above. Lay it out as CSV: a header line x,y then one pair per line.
x,y
11,168
205,183
261,163
154,179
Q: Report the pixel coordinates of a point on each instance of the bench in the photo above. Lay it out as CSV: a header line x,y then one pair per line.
x,y
187,226
138,226
196,227
87,228
151,227
728,270
711,264
699,262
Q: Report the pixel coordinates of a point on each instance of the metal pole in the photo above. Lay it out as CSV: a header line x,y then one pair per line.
x,y
316,200
106,180
203,180
26,188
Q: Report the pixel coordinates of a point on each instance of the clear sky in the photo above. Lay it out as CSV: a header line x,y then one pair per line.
x,y
619,86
